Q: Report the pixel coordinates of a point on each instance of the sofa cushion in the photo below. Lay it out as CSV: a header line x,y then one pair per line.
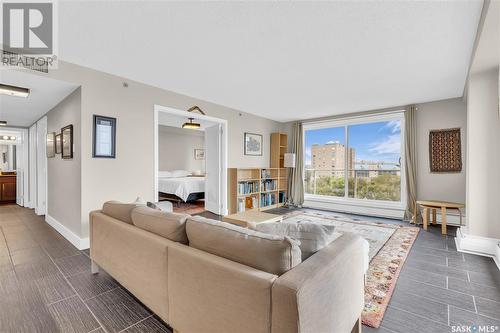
x,y
119,210
269,253
312,236
169,225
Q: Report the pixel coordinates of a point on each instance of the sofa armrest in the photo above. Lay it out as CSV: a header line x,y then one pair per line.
x,y
134,257
325,293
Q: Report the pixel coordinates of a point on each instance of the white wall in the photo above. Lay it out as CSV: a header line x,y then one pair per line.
x,y
451,113
483,160
131,173
64,175
176,149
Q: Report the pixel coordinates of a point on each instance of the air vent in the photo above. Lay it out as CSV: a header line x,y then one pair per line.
x,y
24,61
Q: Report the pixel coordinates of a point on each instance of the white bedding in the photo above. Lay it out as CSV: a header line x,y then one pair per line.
x,y
181,187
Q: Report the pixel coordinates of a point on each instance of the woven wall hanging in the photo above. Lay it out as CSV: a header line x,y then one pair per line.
x,y
445,150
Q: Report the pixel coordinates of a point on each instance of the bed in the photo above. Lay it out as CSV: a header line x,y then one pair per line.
x,y
184,188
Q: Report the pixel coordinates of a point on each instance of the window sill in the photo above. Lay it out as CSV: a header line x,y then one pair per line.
x,y
356,206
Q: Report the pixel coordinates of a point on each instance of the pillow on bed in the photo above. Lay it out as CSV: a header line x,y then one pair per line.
x,y
165,174
180,173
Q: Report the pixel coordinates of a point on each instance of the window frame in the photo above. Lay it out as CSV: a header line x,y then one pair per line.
x,y
359,120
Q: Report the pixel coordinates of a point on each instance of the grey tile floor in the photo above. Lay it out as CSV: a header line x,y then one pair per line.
x,y
46,286
438,287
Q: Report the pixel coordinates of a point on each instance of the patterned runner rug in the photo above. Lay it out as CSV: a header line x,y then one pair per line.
x,y
389,247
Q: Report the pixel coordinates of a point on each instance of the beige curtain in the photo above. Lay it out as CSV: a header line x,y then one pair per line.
x,y
411,160
295,181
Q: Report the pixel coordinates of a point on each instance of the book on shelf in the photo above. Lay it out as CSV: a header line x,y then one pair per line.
x,y
269,185
281,197
246,187
265,173
267,199
241,205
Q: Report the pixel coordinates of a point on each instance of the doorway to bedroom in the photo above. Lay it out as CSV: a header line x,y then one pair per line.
x,y
190,161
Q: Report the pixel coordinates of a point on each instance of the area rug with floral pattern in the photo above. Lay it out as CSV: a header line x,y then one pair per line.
x,y
389,247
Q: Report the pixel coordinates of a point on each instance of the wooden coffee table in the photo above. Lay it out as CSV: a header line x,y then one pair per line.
x,y
431,205
251,216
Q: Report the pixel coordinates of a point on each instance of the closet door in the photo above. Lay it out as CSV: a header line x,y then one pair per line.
x,y
213,167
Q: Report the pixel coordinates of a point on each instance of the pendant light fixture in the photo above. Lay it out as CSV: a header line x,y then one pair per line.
x,y
191,124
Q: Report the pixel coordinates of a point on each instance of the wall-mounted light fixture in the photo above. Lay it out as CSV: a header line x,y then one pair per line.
x,y
9,90
3,123
190,124
8,137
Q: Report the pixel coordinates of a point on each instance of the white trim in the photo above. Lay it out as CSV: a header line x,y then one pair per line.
x,y
349,207
344,203
224,148
79,243
483,246
32,192
354,120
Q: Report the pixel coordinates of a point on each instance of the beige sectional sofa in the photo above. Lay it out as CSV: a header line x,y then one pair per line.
x,y
201,275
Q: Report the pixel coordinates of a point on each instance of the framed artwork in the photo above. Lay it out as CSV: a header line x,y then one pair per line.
x,y
253,144
104,137
51,144
67,142
58,143
445,150
199,154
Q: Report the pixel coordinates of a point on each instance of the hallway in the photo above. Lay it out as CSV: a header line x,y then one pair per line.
x,y
46,284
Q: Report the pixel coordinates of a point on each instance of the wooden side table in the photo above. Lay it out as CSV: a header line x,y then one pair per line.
x,y
430,205
251,216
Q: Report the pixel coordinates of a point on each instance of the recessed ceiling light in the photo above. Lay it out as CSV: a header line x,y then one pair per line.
x,y
6,89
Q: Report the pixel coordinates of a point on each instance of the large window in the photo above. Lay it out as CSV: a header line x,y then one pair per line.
x,y
354,159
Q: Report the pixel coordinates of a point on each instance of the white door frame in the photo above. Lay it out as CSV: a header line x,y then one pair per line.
x,y
41,162
224,147
32,167
22,162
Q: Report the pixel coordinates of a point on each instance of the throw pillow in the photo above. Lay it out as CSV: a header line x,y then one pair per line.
x,y
164,206
312,236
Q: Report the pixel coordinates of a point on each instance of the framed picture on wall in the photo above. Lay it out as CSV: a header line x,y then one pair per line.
x,y
67,142
199,154
104,137
51,144
58,143
253,144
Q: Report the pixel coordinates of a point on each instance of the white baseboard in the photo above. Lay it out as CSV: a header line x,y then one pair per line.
x,y
483,246
79,243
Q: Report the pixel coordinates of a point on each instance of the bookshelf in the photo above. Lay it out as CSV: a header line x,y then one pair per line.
x,y
256,189
259,189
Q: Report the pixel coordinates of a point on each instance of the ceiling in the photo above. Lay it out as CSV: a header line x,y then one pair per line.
x,y
280,60
44,95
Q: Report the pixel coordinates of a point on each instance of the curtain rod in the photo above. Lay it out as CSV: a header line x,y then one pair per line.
x,y
353,116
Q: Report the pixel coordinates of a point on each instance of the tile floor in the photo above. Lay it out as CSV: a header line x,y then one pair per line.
x,y
46,286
